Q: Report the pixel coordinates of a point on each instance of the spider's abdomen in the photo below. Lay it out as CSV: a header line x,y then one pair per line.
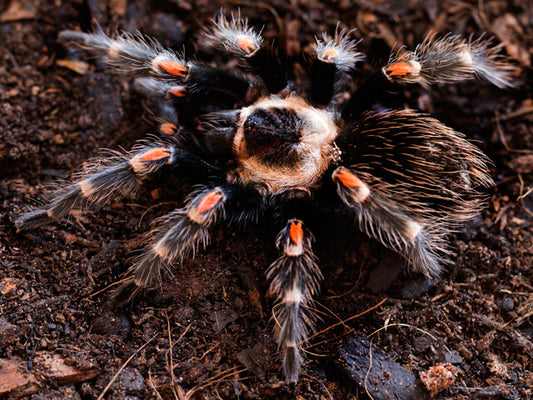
x,y
284,143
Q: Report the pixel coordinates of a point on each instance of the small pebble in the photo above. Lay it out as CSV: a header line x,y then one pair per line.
x,y
507,304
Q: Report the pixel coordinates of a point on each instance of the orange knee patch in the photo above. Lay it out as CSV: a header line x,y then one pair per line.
x,y
173,67
155,154
168,128
400,69
330,54
296,232
347,178
178,91
246,44
209,201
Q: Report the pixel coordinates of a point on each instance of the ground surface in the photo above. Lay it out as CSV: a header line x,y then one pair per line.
x,y
206,333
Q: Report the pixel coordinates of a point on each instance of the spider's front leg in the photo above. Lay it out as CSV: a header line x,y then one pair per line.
x,y
117,174
443,60
295,278
161,71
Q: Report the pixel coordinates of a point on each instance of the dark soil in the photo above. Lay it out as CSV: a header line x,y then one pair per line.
x,y
207,332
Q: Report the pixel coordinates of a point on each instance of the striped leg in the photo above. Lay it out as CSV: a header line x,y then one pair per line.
x,y
169,73
178,235
295,278
411,181
116,174
450,59
392,224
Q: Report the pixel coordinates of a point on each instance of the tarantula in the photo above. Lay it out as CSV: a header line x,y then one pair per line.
x,y
407,179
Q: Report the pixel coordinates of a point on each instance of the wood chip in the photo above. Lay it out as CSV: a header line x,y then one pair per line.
x,y
53,367
439,377
20,10
8,286
80,67
15,380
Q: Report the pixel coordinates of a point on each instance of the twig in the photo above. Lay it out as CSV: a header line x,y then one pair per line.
x,y
408,326
124,366
368,371
349,319
152,385
524,195
330,396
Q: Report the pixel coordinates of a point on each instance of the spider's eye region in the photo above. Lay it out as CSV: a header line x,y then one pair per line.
x,y
268,131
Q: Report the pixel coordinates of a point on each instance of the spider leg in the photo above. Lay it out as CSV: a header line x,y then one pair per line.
x,y
295,278
179,234
237,38
167,119
118,174
445,60
163,70
392,224
411,180
334,57
450,59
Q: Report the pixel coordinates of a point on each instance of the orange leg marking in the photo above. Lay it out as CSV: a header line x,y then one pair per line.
x,y
178,91
155,154
399,69
330,54
173,68
209,201
168,128
246,44
348,179
296,232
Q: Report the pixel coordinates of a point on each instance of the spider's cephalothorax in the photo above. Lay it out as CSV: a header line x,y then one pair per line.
x,y
285,144
407,179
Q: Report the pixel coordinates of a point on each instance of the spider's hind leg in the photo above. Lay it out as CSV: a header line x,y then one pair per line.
x,y
411,181
443,60
295,278
181,233
393,224
450,59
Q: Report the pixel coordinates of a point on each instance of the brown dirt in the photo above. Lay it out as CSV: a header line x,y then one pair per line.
x,y
55,281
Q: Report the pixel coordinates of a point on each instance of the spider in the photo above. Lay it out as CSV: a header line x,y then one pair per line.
x,y
271,147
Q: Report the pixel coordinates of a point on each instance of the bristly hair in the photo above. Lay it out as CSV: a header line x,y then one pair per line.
x,y
126,52
417,181
226,33
177,236
295,278
450,59
343,53
427,165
